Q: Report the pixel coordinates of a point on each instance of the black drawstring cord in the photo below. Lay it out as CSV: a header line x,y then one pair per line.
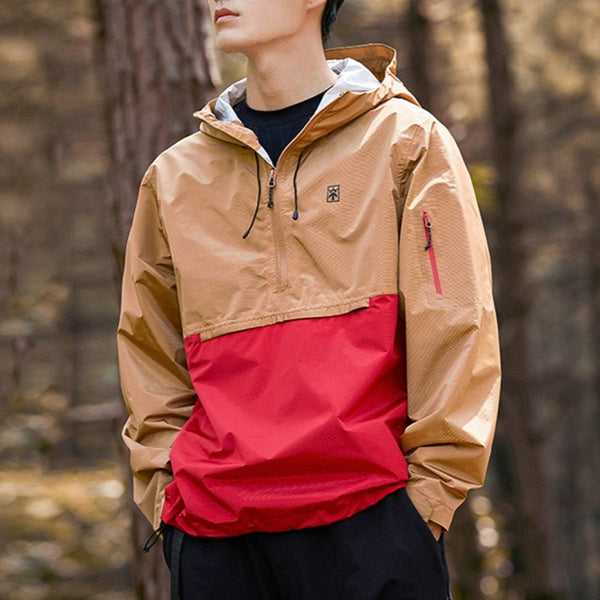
x,y
257,208
175,554
295,215
247,232
153,538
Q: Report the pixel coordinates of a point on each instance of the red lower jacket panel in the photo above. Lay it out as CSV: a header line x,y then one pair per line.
x,y
297,424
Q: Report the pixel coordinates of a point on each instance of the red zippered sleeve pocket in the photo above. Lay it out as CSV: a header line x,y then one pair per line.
x,y
429,248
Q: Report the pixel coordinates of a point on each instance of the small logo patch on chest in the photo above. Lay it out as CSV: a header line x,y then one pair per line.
x,y
333,193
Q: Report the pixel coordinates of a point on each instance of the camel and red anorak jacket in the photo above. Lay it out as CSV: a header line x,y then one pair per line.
x,y
299,340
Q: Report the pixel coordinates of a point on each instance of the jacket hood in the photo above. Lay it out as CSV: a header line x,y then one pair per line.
x,y
366,77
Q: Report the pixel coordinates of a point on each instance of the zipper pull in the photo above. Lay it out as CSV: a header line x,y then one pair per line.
x,y
428,236
272,183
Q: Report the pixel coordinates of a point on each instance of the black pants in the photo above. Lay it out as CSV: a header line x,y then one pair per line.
x,y
385,552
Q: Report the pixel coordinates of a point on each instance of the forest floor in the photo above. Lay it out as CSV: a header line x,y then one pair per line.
x,y
68,535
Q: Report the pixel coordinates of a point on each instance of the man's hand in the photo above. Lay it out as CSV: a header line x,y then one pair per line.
x,y
436,529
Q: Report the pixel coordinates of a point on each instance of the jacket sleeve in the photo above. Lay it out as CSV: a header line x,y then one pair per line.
x,y
453,364
154,379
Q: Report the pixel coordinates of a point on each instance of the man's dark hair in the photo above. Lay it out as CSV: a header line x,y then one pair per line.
x,y
329,15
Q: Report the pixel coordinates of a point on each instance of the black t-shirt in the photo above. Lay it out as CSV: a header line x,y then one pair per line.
x,y
275,129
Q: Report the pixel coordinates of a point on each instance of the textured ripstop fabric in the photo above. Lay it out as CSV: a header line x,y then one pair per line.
x,y
332,259
297,424
460,361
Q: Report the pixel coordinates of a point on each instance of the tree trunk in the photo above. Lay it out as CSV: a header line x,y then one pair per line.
x,y
589,452
159,66
531,524
419,48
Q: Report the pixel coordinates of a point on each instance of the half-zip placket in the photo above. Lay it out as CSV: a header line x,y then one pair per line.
x,y
281,269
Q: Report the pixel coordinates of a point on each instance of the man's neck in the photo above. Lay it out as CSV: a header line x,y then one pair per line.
x,y
277,78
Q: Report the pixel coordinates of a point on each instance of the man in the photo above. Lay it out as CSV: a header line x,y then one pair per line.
x,y
307,344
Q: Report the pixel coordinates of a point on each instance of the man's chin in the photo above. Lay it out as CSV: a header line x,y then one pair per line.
x,y
228,44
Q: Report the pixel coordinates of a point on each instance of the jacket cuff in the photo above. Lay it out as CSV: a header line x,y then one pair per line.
x,y
428,504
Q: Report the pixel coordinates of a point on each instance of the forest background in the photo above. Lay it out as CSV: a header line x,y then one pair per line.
x,y
517,83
